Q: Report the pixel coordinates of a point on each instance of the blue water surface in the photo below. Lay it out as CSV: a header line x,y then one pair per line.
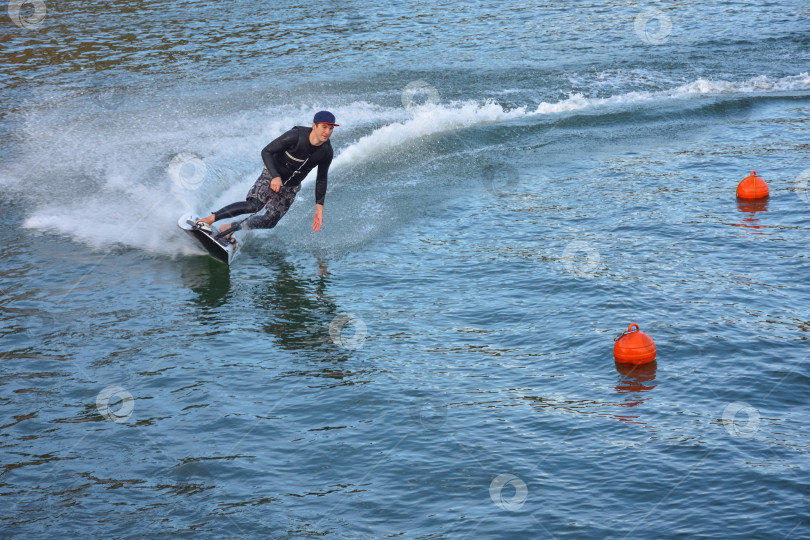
x,y
513,186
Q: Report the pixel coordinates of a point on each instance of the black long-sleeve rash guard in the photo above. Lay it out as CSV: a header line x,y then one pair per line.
x,y
292,157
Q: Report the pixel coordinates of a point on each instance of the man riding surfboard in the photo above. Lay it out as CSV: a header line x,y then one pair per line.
x,y
287,161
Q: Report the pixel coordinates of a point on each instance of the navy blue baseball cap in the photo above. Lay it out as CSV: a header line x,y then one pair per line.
x,y
324,117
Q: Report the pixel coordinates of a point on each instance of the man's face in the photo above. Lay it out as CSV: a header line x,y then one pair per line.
x,y
322,132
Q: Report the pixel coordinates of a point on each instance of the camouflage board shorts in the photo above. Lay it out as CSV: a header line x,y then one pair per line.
x,y
276,204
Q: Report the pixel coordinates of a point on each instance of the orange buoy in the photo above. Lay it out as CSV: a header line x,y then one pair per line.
x,y
634,347
752,188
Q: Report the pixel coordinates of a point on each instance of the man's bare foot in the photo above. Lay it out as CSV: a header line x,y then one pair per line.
x,y
228,237
208,220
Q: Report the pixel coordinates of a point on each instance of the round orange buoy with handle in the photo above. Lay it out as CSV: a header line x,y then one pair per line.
x,y
752,188
634,347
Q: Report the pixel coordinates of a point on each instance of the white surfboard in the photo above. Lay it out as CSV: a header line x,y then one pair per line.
x,y
222,250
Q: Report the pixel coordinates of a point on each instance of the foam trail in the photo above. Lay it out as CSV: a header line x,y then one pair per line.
x,y
133,216
762,83
135,204
426,120
432,119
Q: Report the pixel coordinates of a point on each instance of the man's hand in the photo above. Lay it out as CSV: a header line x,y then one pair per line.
x,y
318,220
275,184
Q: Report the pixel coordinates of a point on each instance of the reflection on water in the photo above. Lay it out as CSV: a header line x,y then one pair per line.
x,y
634,380
298,306
207,277
638,373
634,376
298,311
749,210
